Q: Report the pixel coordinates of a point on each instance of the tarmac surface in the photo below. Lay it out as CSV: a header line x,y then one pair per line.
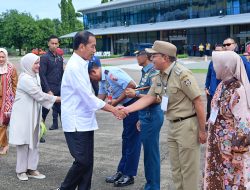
x,y
55,159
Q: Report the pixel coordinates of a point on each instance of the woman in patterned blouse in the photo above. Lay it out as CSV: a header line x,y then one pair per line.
x,y
228,156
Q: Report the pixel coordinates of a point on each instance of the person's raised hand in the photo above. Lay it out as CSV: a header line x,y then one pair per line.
x,y
50,93
130,92
58,99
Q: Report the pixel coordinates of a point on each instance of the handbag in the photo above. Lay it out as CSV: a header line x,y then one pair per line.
x,y
43,129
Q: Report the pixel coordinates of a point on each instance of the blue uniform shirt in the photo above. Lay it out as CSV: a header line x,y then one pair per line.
x,y
148,72
115,81
211,80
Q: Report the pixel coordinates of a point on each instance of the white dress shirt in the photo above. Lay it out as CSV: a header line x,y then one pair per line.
x,y
79,104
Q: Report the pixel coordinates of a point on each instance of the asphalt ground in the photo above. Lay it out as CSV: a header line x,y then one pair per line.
x,y
55,159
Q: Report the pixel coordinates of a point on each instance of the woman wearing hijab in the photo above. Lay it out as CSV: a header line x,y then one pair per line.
x,y
227,155
26,117
8,82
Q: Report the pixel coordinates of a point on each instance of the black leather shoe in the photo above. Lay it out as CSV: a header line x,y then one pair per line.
x,y
113,178
42,140
53,127
124,181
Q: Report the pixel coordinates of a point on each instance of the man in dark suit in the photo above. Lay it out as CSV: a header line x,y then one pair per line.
x,y
51,72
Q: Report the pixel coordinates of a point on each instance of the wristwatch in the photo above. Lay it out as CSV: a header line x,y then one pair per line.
x,y
137,94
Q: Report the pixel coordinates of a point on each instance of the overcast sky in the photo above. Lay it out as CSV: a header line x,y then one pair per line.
x,y
43,8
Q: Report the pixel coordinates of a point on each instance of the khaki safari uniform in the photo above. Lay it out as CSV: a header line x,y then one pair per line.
x,y
178,83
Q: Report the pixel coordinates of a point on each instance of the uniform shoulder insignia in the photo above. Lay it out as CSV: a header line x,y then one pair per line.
x,y
157,74
183,77
153,74
113,77
178,71
106,72
153,79
185,74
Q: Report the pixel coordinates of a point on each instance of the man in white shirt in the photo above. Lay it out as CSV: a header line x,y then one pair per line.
x,y
78,112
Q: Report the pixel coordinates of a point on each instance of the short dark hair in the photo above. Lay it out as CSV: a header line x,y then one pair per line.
x,y
172,59
92,66
53,37
81,38
143,52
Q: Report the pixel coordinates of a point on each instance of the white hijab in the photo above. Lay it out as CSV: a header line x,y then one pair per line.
x,y
228,64
27,63
4,67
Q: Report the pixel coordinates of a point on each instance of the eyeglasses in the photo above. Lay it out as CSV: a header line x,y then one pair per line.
x,y
228,44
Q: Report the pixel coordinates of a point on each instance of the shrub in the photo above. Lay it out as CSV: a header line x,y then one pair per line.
x,y
181,56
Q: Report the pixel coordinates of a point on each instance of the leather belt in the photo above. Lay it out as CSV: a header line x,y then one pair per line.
x,y
183,118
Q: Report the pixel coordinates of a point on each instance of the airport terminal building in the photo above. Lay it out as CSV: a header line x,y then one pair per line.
x,y
121,26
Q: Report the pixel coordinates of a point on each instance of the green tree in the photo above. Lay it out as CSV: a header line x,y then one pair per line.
x,y
1,29
69,17
58,27
18,29
64,15
46,28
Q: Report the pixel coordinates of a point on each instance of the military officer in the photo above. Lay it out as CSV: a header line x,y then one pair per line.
x,y
181,100
113,82
151,120
95,84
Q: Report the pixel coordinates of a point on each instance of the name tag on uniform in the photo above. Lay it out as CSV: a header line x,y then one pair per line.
x,y
164,103
213,115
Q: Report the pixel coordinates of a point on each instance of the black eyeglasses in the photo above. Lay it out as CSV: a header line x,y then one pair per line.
x,y
228,44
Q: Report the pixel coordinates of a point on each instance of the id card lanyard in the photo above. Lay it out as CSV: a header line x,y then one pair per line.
x,y
215,110
164,101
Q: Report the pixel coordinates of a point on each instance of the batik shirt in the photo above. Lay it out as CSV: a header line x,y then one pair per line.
x,y
226,168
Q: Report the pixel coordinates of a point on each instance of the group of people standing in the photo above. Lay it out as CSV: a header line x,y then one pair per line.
x,y
228,114
28,93
202,49
166,88
212,82
172,89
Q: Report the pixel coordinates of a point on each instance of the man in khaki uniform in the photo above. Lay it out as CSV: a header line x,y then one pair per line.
x,y
180,96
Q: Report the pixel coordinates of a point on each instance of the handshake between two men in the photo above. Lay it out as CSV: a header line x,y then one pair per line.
x,y
120,112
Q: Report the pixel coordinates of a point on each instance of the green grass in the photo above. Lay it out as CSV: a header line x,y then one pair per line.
x,y
199,70
112,56
67,55
181,56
